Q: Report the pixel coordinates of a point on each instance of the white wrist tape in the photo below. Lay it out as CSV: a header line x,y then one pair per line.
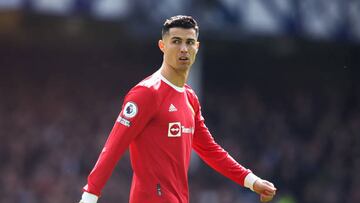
x,y
88,198
250,180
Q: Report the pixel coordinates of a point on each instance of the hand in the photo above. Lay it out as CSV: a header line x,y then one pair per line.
x,y
265,189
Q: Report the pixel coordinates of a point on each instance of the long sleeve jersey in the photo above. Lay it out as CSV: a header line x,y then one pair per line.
x,y
161,123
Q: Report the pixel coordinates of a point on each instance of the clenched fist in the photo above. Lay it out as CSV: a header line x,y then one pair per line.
x,y
265,189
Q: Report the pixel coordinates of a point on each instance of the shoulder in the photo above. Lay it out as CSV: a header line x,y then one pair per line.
x,y
192,97
190,92
152,82
146,89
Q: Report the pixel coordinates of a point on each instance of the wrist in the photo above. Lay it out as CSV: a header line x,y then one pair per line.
x,y
249,181
88,198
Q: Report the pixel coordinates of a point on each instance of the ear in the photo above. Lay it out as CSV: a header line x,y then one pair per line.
x,y
197,46
161,45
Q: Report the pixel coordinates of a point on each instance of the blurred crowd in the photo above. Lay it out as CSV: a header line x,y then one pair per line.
x,y
306,142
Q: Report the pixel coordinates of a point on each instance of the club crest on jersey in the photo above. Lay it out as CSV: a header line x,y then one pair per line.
x,y
130,110
174,129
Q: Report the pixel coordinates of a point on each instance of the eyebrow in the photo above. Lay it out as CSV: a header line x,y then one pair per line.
x,y
179,38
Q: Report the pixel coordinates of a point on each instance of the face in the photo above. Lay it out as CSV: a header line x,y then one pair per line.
x,y
180,47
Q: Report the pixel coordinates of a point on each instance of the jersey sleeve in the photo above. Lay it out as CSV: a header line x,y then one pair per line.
x,y
138,108
213,154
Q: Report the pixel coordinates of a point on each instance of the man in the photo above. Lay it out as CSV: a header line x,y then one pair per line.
x,y
161,123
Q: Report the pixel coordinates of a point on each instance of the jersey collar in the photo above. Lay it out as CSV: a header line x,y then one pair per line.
x,y
179,89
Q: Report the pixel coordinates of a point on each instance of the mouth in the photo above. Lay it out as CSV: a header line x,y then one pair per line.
x,y
183,58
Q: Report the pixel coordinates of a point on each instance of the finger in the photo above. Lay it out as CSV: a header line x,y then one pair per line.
x,y
269,189
269,183
266,192
269,186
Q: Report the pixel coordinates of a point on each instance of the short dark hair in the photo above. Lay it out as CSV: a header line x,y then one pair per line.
x,y
180,21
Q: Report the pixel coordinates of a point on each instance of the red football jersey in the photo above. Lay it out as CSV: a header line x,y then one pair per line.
x,y
161,124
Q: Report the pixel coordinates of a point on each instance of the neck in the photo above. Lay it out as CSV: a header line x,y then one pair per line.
x,y
176,77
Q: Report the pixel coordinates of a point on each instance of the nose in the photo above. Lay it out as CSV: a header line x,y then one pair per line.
x,y
183,48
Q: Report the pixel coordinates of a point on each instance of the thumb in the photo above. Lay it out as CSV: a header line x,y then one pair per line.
x,y
266,198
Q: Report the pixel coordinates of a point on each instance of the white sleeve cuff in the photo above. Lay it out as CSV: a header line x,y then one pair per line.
x,y
88,198
250,180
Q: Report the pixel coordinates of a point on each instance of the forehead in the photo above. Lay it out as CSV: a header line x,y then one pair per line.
x,y
182,33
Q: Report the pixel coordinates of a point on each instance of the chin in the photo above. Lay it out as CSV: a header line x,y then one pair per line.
x,y
183,67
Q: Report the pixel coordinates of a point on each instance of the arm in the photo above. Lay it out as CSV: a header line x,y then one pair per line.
x,y
137,110
216,157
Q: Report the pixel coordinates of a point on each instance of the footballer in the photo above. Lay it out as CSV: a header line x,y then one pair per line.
x,y
161,123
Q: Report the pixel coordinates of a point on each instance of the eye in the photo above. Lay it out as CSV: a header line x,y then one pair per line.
x,y
176,41
191,42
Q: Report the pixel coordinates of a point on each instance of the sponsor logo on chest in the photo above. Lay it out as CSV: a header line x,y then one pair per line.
x,y
175,129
